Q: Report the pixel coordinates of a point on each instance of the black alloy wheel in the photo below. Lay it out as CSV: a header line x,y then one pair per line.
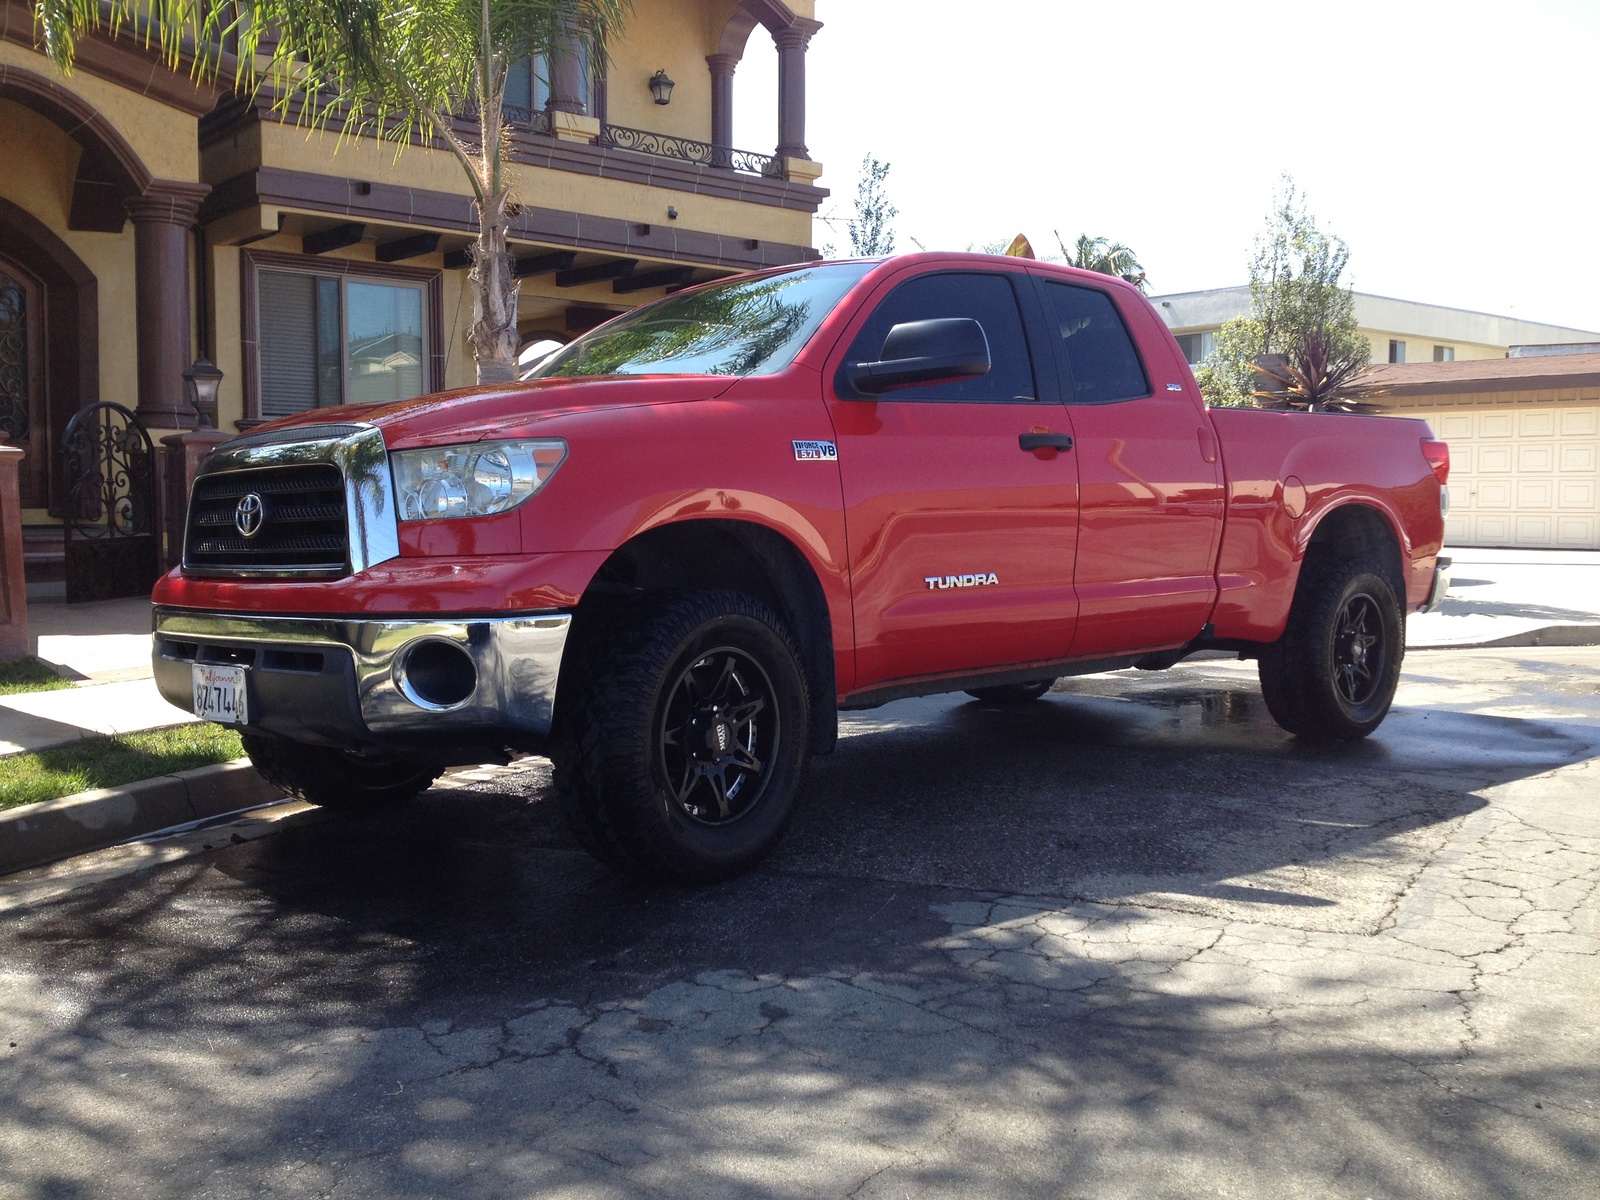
x,y
720,731
1332,675
1358,650
681,741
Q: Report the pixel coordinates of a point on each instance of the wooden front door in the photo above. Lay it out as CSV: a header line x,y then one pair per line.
x,y
23,419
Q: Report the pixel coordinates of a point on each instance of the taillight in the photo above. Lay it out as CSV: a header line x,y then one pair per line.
x,y
1438,455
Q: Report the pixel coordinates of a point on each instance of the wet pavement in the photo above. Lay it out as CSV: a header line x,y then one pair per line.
x,y
1128,941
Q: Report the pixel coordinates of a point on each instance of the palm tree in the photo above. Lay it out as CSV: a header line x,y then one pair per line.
x,y
1105,256
397,70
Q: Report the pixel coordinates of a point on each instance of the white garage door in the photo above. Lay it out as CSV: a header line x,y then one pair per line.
x,y
1523,477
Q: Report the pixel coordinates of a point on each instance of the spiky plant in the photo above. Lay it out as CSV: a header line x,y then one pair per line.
x,y
396,70
1315,377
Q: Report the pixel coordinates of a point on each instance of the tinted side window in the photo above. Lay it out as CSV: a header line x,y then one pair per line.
x,y
1104,364
987,299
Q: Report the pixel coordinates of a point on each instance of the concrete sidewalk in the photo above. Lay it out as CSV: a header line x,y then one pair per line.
x,y
1514,598
105,647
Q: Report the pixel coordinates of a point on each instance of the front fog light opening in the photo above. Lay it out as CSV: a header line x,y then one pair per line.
x,y
436,675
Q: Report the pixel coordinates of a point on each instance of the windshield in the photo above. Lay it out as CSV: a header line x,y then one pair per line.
x,y
742,327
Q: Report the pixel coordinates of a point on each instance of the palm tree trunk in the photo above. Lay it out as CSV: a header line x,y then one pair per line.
x,y
494,294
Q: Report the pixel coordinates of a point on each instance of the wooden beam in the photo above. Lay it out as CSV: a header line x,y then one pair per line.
x,y
645,280
336,238
615,268
543,264
455,260
414,246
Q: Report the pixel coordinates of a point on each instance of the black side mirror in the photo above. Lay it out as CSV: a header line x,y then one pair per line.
x,y
936,351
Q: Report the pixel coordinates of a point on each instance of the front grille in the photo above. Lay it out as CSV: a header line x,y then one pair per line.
x,y
302,521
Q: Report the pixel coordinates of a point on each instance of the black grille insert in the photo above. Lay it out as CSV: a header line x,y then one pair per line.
x,y
302,520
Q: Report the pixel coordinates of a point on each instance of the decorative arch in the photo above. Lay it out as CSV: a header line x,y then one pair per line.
x,y
774,14
736,34
71,342
110,172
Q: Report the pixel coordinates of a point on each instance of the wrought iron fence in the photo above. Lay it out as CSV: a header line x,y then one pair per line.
x,y
662,145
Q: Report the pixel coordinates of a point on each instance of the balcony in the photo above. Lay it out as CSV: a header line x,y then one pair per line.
x,y
658,145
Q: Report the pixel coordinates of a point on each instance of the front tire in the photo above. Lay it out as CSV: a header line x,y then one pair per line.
x,y
685,747
333,779
1332,675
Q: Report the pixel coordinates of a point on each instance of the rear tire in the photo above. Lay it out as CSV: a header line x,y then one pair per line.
x,y
334,779
683,752
1332,675
1012,693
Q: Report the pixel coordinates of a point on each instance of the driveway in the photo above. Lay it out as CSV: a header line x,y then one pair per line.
x,y
1130,941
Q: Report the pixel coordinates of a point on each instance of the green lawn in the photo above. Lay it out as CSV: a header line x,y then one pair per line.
x,y
98,762
29,675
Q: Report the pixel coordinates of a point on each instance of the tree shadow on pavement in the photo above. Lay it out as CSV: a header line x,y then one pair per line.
x,y
1112,944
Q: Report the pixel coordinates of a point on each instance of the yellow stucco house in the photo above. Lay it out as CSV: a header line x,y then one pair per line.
x,y
146,220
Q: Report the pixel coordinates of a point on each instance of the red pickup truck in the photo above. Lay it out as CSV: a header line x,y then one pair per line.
x,y
670,558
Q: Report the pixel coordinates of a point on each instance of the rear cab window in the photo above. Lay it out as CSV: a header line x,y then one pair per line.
x,y
1096,351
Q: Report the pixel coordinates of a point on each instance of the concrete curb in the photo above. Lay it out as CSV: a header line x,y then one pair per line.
x,y
54,829
1549,635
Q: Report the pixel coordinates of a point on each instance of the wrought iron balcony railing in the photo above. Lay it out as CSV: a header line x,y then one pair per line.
x,y
662,145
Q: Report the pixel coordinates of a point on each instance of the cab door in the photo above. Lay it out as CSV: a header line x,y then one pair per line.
x,y
961,540
1151,489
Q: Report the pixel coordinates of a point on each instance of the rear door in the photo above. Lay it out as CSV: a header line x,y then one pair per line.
x,y
1151,491
961,542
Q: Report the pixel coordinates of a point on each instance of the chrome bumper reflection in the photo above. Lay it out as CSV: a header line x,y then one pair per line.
x,y
1441,585
516,659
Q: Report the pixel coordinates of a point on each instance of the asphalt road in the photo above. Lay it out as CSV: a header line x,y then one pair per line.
x,y
1130,941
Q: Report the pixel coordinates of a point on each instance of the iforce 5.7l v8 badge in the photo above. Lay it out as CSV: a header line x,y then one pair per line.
x,y
816,452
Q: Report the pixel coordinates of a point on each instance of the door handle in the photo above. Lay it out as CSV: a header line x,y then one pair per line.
x,y
1045,441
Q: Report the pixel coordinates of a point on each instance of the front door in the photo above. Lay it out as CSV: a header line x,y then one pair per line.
x,y
22,383
961,542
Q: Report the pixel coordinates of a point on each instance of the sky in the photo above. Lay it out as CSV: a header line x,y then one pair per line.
x,y
1454,146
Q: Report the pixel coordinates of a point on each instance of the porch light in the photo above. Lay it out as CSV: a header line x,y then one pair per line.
x,y
661,87
201,381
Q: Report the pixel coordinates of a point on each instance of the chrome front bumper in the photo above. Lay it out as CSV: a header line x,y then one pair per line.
x,y
352,682
1441,585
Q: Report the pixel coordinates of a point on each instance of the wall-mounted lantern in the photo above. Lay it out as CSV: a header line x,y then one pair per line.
x,y
201,381
661,87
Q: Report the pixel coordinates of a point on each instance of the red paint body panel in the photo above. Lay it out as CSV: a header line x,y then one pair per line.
x,y
1151,509
1262,546
401,587
1163,515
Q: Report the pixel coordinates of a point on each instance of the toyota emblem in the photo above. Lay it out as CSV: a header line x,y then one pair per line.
x,y
248,514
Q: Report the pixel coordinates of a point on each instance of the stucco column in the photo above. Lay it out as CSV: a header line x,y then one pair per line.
x,y
181,455
722,68
13,587
161,221
792,43
566,77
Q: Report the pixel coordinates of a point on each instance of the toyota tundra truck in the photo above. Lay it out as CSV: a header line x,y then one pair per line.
x,y
672,556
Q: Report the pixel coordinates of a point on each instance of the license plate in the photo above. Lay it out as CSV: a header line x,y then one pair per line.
x,y
219,694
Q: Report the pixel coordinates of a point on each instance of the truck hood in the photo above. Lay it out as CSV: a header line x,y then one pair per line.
x,y
489,410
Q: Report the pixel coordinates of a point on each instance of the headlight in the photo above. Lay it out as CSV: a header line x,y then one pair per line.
x,y
475,480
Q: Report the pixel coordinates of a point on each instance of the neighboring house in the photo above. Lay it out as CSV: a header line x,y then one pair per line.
x,y
146,219
1401,331
1524,436
1524,431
